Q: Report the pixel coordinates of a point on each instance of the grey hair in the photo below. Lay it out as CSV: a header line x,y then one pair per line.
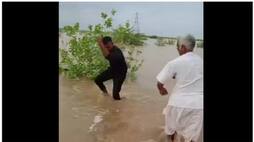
x,y
189,41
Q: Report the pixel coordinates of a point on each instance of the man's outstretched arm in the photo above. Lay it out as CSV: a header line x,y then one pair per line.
x,y
162,90
104,51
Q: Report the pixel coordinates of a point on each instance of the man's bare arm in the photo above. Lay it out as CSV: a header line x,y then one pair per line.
x,y
104,51
163,91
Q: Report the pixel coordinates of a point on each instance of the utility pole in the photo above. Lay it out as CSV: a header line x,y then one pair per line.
x,y
136,23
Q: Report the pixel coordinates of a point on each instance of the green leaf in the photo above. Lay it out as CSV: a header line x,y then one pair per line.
x,y
104,15
113,12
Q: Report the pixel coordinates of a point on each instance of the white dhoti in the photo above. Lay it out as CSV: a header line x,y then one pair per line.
x,y
184,121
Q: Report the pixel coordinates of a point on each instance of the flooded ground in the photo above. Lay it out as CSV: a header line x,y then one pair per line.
x,y
87,116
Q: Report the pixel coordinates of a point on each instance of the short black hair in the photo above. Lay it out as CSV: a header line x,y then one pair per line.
x,y
107,39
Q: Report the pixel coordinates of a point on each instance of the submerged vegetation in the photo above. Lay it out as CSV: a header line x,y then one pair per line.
x,y
162,41
200,44
83,56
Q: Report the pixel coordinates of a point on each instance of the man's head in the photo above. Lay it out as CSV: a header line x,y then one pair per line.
x,y
185,44
108,43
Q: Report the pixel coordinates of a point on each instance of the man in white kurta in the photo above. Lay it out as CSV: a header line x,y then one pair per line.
x,y
184,111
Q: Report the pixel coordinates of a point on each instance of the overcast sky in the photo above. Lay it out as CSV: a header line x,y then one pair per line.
x,y
163,19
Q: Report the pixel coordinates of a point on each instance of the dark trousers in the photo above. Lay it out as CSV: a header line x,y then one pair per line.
x,y
118,80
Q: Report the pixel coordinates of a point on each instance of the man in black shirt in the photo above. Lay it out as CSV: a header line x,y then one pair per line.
x,y
117,70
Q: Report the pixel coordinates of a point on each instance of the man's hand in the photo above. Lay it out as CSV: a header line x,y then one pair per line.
x,y
104,51
162,90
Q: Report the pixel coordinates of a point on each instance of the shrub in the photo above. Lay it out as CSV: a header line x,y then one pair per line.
x,y
200,44
153,36
133,62
84,58
161,41
125,35
171,41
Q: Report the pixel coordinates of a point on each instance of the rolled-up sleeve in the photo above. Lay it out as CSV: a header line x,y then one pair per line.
x,y
166,73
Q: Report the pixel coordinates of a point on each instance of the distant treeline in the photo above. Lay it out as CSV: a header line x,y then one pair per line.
x,y
161,40
155,37
141,34
62,30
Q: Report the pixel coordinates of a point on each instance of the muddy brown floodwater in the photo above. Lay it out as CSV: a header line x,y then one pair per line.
x,y
87,116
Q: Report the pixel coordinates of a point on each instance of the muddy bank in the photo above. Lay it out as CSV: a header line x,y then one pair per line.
x,y
87,116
